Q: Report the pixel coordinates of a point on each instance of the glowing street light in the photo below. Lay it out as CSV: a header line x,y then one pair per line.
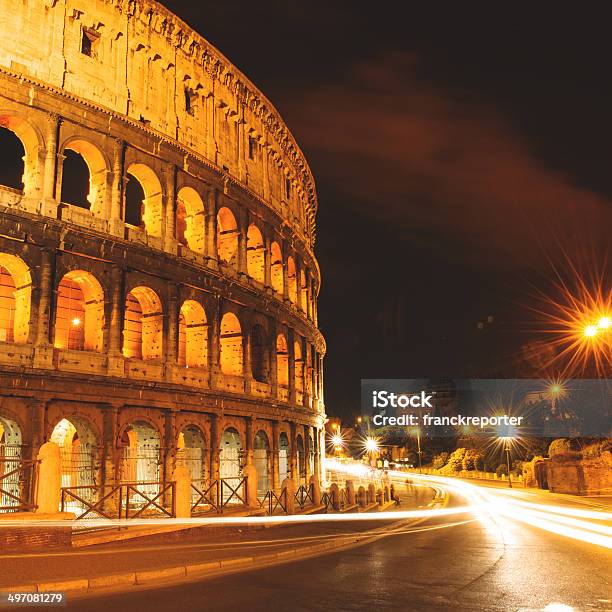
x,y
604,323
371,445
590,331
76,321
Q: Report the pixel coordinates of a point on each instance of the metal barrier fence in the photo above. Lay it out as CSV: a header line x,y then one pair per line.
x,y
126,500
271,502
16,484
216,495
303,495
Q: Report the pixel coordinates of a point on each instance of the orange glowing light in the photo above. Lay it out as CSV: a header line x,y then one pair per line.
x,y
76,321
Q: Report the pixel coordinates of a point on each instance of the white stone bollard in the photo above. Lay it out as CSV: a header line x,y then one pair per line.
x,y
49,479
289,486
315,486
250,471
350,492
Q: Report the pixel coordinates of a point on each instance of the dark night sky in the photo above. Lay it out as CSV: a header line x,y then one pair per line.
x,y
455,149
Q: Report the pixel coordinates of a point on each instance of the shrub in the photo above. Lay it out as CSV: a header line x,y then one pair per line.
x,y
472,460
502,468
439,461
455,461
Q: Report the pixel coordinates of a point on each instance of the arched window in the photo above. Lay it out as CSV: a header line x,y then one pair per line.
x,y
79,316
141,456
15,299
291,280
231,345
282,361
276,263
283,457
83,176
261,461
304,295
75,180
255,254
12,164
260,354
19,151
191,453
143,199
190,219
231,454
299,367
227,236
143,324
11,485
193,335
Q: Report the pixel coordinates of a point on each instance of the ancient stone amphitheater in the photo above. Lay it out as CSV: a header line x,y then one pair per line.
x,y
157,277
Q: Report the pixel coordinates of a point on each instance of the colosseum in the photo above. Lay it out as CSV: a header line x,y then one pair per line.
x,y
158,284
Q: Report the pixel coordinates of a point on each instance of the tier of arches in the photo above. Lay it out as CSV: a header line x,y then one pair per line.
x,y
136,199
145,454
188,332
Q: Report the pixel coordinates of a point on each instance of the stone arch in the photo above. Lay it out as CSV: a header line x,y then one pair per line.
x,y
79,313
282,361
255,253
261,460
299,366
230,465
301,459
191,451
143,199
227,235
190,219
231,357
283,456
192,335
24,172
260,354
10,457
15,299
141,461
276,267
78,443
143,324
291,280
84,172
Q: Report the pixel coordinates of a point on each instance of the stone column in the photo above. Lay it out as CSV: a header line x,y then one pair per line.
x,y
309,297
247,371
49,201
49,480
249,440
211,144
173,316
215,443
214,332
265,175
169,443
210,224
298,283
285,255
275,458
115,356
293,467
242,136
170,242
267,259
243,229
115,215
308,451
43,355
291,360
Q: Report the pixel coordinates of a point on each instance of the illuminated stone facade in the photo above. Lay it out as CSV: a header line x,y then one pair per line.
x,y
157,278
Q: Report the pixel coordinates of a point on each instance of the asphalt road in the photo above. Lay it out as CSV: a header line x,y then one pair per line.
x,y
460,562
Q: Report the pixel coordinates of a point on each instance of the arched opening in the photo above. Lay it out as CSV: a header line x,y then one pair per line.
x,y
141,456
299,366
12,160
304,293
11,484
79,317
75,180
291,280
15,299
231,345
255,254
143,324
301,460
78,447
19,146
191,452
193,335
143,199
190,219
283,457
83,176
260,354
282,361
227,236
276,263
231,454
261,460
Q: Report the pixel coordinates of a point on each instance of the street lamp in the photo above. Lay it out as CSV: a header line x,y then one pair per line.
x,y
371,447
507,449
417,432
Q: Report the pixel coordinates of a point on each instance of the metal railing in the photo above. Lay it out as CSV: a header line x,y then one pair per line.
x,y
304,494
126,500
272,501
16,484
216,495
